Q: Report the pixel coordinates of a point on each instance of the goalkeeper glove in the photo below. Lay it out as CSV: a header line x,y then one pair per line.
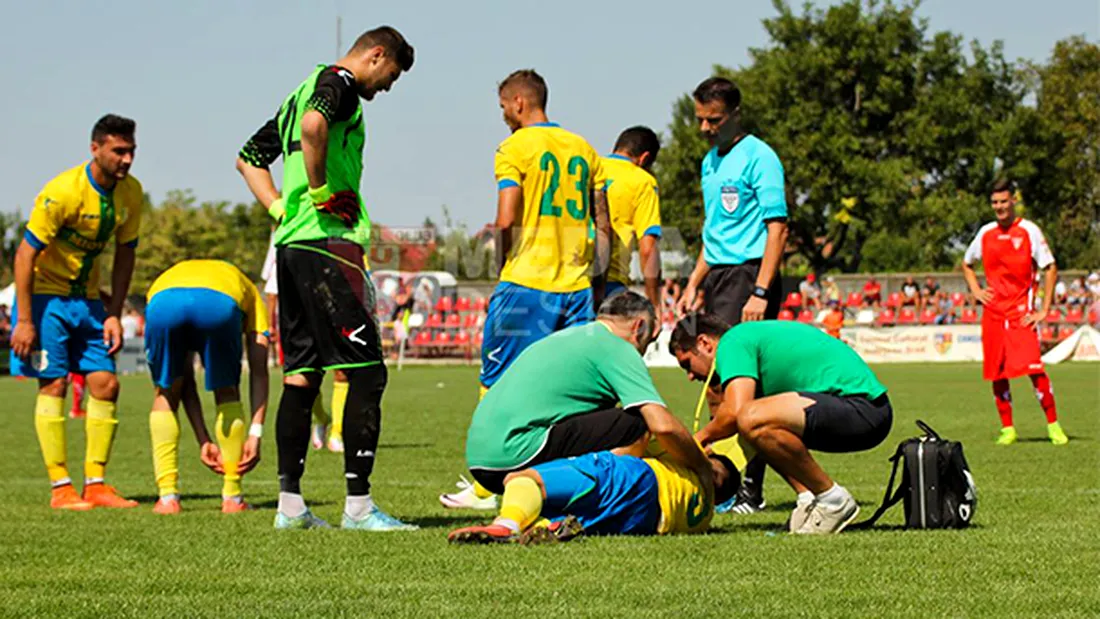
x,y
344,205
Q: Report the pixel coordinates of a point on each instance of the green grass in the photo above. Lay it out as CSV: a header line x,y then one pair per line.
x,y
1034,549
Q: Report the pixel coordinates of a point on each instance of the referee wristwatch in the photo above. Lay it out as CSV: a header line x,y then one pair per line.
x,y
760,291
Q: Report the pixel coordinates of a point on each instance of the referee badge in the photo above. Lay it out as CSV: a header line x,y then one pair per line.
x,y
730,198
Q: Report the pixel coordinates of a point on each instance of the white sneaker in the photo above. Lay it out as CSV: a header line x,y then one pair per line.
x,y
466,498
824,519
318,436
335,445
799,516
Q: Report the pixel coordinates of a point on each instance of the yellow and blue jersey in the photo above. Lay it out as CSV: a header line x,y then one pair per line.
x,y
218,276
72,222
634,202
685,507
557,171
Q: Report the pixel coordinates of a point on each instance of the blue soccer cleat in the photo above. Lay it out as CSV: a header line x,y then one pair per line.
x,y
306,521
376,520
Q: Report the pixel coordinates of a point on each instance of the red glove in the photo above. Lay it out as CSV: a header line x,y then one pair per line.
x,y
342,204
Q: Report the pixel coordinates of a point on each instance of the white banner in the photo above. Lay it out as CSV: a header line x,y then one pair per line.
x,y
919,343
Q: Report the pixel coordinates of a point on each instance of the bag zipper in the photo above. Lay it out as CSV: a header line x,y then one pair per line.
x,y
920,482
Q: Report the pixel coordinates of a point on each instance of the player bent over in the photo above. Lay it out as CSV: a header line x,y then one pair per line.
x,y
788,388
606,493
205,307
62,324
1011,250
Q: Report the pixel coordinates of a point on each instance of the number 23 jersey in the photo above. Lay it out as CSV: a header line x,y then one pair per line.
x,y
557,171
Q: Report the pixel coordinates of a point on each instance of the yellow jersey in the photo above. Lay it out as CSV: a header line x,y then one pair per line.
x,y
685,507
219,276
557,171
634,202
72,221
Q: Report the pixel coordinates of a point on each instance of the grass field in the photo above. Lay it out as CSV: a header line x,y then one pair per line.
x,y
1034,550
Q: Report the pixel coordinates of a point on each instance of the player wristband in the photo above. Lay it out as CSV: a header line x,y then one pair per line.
x,y
276,210
257,430
760,291
320,195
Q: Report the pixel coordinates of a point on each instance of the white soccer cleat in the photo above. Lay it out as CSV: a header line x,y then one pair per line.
x,y
318,436
335,445
466,498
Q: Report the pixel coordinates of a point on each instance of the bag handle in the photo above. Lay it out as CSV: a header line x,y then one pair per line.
x,y
927,429
887,500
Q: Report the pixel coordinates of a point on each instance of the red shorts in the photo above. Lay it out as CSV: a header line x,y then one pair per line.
x,y
1009,349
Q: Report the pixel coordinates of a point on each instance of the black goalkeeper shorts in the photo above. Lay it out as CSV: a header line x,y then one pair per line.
x,y
326,307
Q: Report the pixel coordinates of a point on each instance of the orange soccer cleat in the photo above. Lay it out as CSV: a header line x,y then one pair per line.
x,y
234,505
65,497
103,495
167,506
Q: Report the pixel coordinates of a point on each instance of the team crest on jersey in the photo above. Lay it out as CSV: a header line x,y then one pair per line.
x,y
943,342
730,199
1017,242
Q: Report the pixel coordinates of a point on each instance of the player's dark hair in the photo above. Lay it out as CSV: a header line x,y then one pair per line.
x,y
630,305
112,124
718,89
691,327
638,141
531,82
389,39
1002,184
726,491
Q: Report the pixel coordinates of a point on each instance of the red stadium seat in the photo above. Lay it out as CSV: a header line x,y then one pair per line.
x,y
471,320
478,339
887,317
444,304
958,299
894,300
855,299
794,300
1046,334
454,321
435,321
1075,316
481,304
907,316
928,317
1054,316
462,338
422,338
1093,318
806,316
1064,333
786,314
969,316
442,339
463,304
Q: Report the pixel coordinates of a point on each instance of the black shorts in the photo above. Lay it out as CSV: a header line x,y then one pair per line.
x,y
326,307
727,288
842,424
575,436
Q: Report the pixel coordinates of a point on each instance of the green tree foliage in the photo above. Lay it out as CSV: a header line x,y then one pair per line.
x,y
890,136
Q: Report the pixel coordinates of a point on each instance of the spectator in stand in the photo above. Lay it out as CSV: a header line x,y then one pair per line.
x,y
811,292
910,292
670,294
945,309
872,292
1078,294
1060,292
1093,286
131,322
5,320
831,290
834,320
930,293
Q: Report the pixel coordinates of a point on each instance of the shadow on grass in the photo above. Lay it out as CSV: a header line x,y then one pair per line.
x,y
447,521
273,503
404,445
1038,439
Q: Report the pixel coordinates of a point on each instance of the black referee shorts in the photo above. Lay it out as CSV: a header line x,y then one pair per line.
x,y
727,288
326,307
843,424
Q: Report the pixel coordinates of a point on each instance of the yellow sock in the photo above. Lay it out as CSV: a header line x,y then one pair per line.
x,y
164,429
230,430
481,492
522,502
99,426
339,400
320,416
482,390
49,424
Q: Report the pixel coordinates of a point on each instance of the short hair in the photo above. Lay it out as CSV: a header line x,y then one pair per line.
x,y
726,491
531,83
630,305
638,140
718,89
691,327
389,39
112,124
1002,184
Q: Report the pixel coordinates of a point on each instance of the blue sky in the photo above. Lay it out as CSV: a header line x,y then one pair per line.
x,y
200,76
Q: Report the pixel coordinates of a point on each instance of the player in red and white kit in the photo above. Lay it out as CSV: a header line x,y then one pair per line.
x,y
1011,249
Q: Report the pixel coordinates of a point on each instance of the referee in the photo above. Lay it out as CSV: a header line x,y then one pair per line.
x,y
744,232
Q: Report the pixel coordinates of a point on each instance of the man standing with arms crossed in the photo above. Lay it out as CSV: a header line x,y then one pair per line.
x,y
744,233
326,299
1010,250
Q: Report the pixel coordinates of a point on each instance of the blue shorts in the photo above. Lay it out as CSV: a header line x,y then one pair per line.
x,y
609,494
179,321
519,316
70,338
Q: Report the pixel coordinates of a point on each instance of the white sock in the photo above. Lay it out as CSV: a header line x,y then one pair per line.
x,y
804,498
833,497
291,505
507,523
357,507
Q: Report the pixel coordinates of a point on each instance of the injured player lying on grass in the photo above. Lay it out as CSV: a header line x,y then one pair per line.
x,y
607,493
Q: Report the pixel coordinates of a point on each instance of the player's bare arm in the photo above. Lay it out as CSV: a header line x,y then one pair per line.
x,y
650,258
121,273
673,436
23,336
254,162
209,453
738,393
257,397
1049,281
691,300
509,212
769,266
983,295
602,215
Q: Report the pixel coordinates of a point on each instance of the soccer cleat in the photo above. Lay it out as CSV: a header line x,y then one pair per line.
x,y
103,495
744,502
824,519
557,531
335,444
490,534
167,505
1007,436
234,505
318,436
466,498
65,497
306,521
376,520
1056,435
